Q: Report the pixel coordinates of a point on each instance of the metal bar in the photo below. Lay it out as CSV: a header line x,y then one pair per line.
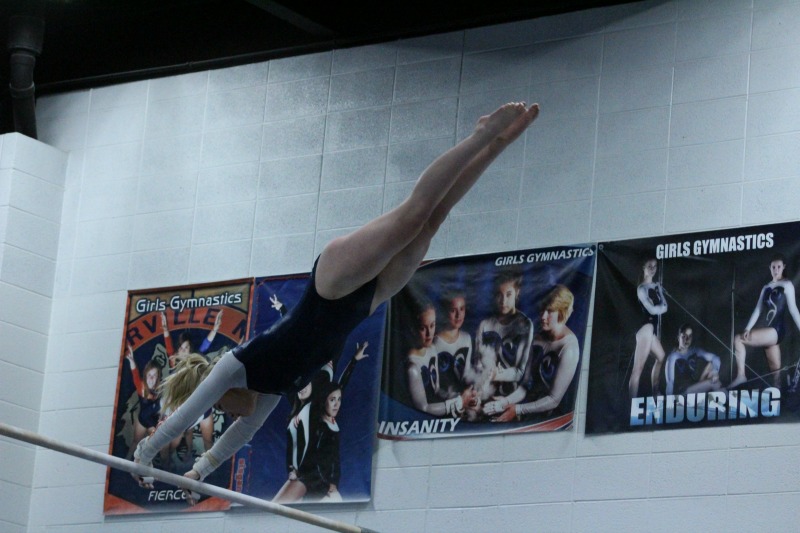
x,y
174,479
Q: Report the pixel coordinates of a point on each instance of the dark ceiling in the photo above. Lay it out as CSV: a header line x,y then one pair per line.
x,y
88,43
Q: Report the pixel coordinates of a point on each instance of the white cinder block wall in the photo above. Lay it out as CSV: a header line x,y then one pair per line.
x,y
31,192
657,117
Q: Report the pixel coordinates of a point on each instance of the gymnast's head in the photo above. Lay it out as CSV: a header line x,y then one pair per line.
x,y
685,336
556,308
777,267
507,287
454,303
649,269
424,324
185,344
303,396
327,401
152,377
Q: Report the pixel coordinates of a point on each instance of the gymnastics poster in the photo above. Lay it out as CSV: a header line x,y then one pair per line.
x,y
487,344
328,449
162,327
696,330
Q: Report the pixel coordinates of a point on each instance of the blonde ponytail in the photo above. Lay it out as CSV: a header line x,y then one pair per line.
x,y
186,377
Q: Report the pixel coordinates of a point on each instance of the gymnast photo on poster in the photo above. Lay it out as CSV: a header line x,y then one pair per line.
x,y
690,369
424,369
650,295
776,299
513,327
494,298
551,367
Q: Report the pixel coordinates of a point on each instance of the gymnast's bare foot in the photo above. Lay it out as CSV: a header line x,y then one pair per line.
x,y
500,119
736,382
519,125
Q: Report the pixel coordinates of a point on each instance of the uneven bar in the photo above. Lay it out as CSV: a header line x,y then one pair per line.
x,y
180,481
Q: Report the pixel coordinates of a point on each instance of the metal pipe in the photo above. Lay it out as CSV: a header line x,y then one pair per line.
x,y
25,37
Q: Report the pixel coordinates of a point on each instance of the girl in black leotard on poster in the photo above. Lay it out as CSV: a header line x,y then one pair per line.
x,y
775,299
653,304
319,473
353,275
299,432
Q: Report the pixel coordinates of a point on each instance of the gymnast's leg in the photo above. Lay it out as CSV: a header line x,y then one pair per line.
x,y
644,342
773,354
655,374
757,338
391,246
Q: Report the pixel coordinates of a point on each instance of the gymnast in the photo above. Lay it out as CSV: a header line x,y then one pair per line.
x,y
514,328
302,424
453,345
653,304
775,299
423,369
353,275
319,473
149,413
696,369
551,366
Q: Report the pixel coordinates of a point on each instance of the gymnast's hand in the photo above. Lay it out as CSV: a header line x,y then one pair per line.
x,y
276,304
495,407
469,398
191,497
360,351
218,321
144,482
129,357
508,415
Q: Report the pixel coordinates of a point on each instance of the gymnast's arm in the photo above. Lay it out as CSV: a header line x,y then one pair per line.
x,y
168,341
710,358
788,290
137,379
226,374
500,403
453,407
206,345
351,365
644,299
669,371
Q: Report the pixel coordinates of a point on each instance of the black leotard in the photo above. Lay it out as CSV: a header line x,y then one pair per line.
x,y
654,295
321,467
283,359
774,306
149,411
